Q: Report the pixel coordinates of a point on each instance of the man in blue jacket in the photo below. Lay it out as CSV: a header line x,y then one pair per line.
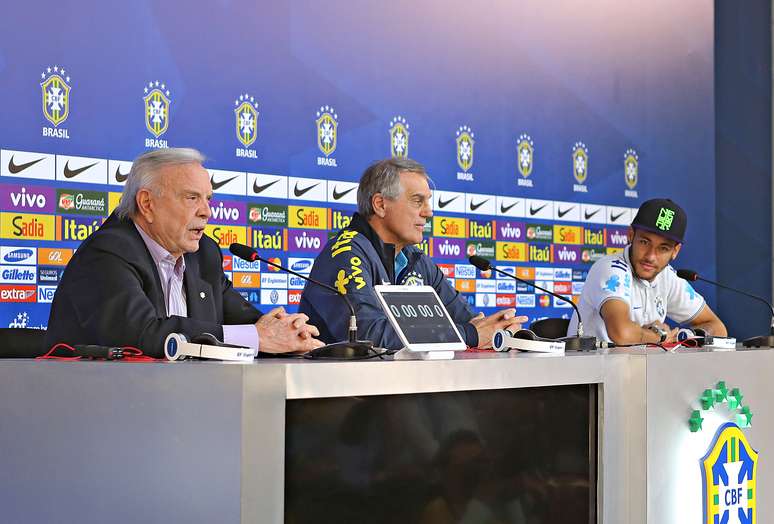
x,y
378,247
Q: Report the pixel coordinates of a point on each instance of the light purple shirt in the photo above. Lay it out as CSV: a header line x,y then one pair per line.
x,y
171,273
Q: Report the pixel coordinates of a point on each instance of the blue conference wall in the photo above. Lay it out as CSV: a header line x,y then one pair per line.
x,y
600,83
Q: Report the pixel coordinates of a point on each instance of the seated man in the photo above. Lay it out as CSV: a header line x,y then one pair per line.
x,y
150,271
627,296
377,247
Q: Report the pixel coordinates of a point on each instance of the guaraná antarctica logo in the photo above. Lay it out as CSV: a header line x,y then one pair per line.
x,y
729,468
55,90
246,123
399,137
525,151
327,125
156,102
580,166
465,144
631,172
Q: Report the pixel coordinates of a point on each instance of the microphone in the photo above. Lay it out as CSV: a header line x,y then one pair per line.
x,y
579,342
761,341
350,349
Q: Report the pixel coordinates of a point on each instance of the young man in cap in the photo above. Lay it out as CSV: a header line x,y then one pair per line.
x,y
627,296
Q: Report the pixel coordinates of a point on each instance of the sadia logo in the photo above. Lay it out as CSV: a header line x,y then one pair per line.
x,y
729,468
525,151
327,125
631,172
449,227
513,251
246,120
226,235
55,89
25,226
157,103
399,137
580,166
308,217
465,144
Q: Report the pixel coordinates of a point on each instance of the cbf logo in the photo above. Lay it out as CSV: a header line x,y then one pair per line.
x,y
399,137
729,468
412,278
465,145
246,120
729,472
525,150
327,123
580,166
55,90
156,102
631,172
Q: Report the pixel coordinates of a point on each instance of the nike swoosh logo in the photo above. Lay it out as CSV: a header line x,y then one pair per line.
x,y
75,172
337,195
533,211
218,185
589,215
443,203
18,168
473,206
613,217
121,177
259,189
563,212
505,209
300,192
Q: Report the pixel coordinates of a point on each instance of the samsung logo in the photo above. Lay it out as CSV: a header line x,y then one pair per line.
x,y
301,265
19,256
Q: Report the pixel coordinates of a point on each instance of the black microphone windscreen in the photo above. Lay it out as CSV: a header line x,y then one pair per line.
x,y
480,262
688,274
242,251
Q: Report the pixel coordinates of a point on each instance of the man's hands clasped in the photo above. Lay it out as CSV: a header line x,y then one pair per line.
x,y
280,332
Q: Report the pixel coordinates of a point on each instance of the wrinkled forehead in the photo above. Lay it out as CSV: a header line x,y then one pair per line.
x,y
414,183
185,177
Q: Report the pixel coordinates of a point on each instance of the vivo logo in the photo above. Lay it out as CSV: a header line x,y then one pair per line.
x,y
30,200
507,231
221,212
447,249
566,255
306,242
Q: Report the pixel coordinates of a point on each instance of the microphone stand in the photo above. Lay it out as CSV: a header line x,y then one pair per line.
x,y
765,341
576,343
352,348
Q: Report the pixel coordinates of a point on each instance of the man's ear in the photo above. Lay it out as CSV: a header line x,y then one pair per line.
x,y
143,198
677,250
630,234
377,202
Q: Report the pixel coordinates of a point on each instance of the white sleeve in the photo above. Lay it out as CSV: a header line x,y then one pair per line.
x,y
608,279
683,302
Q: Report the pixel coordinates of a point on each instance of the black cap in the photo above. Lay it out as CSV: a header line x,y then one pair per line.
x,y
663,217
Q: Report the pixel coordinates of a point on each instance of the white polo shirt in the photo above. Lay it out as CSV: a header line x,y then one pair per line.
x,y
612,277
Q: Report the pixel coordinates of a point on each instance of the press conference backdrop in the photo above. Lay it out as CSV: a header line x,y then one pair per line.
x,y
543,125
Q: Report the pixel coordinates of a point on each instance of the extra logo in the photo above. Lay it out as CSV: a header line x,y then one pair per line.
x,y
156,102
399,137
465,144
525,151
729,468
580,166
631,172
55,90
246,121
327,125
